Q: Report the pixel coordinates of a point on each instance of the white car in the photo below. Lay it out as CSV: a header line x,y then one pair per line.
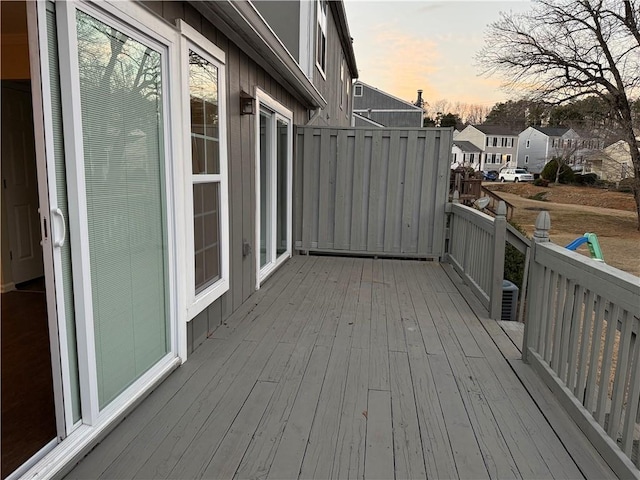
x,y
515,175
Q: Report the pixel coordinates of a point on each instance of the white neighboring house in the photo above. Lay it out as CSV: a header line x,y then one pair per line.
x,y
613,163
538,145
465,154
498,145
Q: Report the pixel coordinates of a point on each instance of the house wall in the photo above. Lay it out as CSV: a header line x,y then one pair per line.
x,y
372,97
473,135
242,74
539,148
284,19
397,119
386,109
613,163
329,84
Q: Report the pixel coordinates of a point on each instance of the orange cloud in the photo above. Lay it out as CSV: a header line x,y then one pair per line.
x,y
400,63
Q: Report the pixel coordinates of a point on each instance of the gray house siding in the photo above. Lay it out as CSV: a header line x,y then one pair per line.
x,y
329,84
242,74
284,18
386,109
397,119
537,151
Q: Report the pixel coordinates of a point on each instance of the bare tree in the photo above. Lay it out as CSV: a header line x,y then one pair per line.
x,y
567,49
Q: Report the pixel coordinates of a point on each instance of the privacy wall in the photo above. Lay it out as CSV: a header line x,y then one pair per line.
x,y
378,192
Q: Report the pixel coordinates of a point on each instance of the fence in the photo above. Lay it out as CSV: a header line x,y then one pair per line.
x,y
581,337
371,191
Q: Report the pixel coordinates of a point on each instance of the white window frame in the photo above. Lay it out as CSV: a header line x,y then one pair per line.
x,y
280,112
321,15
528,144
356,87
196,42
526,159
343,86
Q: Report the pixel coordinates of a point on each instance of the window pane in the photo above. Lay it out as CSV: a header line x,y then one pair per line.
x,y
203,91
206,234
121,96
265,189
198,155
213,156
281,232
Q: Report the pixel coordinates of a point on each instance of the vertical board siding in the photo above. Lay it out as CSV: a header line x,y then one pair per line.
x,y
373,191
242,74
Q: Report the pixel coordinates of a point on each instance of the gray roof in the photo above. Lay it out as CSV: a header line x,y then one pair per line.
x,y
497,130
466,146
552,131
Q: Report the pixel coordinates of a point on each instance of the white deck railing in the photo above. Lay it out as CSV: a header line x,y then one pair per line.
x,y
580,335
476,250
581,330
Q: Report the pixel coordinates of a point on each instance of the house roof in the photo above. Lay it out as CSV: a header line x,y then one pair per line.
x,y
466,146
366,119
409,105
552,131
496,130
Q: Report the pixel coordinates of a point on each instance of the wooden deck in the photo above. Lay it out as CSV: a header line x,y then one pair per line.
x,y
350,368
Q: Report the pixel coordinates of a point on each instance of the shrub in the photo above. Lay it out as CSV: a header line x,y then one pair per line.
x,y
550,169
514,261
540,196
541,182
586,179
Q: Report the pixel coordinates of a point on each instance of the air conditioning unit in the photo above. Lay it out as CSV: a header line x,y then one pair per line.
x,y
509,301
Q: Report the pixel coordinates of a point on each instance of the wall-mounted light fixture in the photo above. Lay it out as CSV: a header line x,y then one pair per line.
x,y
247,104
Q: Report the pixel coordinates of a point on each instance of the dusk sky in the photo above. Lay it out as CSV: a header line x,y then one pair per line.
x,y
430,45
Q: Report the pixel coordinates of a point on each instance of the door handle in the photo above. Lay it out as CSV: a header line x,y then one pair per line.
x,y
60,242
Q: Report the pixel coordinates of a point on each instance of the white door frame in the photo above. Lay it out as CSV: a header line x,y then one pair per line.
x,y
70,82
279,112
140,24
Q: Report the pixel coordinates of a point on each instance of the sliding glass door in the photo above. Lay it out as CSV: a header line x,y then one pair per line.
x,y
274,178
121,88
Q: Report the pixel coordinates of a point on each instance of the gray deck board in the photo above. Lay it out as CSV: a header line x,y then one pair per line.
x,y
350,368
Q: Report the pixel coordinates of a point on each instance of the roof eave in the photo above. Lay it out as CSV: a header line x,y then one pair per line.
x,y
340,15
243,25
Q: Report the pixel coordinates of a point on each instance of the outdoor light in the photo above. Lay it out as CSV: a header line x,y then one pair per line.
x,y
247,104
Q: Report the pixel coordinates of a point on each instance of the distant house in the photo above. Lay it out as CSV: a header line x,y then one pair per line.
x,y
465,154
498,145
613,163
538,145
372,106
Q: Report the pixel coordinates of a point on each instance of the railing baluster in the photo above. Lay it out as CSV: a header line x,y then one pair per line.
x,y
557,327
620,381
565,322
548,311
607,357
594,362
583,366
633,402
543,292
578,305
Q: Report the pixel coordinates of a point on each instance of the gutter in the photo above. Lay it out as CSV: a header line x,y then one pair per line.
x,y
244,26
340,16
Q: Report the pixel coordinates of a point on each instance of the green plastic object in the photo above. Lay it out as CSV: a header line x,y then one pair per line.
x,y
594,246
